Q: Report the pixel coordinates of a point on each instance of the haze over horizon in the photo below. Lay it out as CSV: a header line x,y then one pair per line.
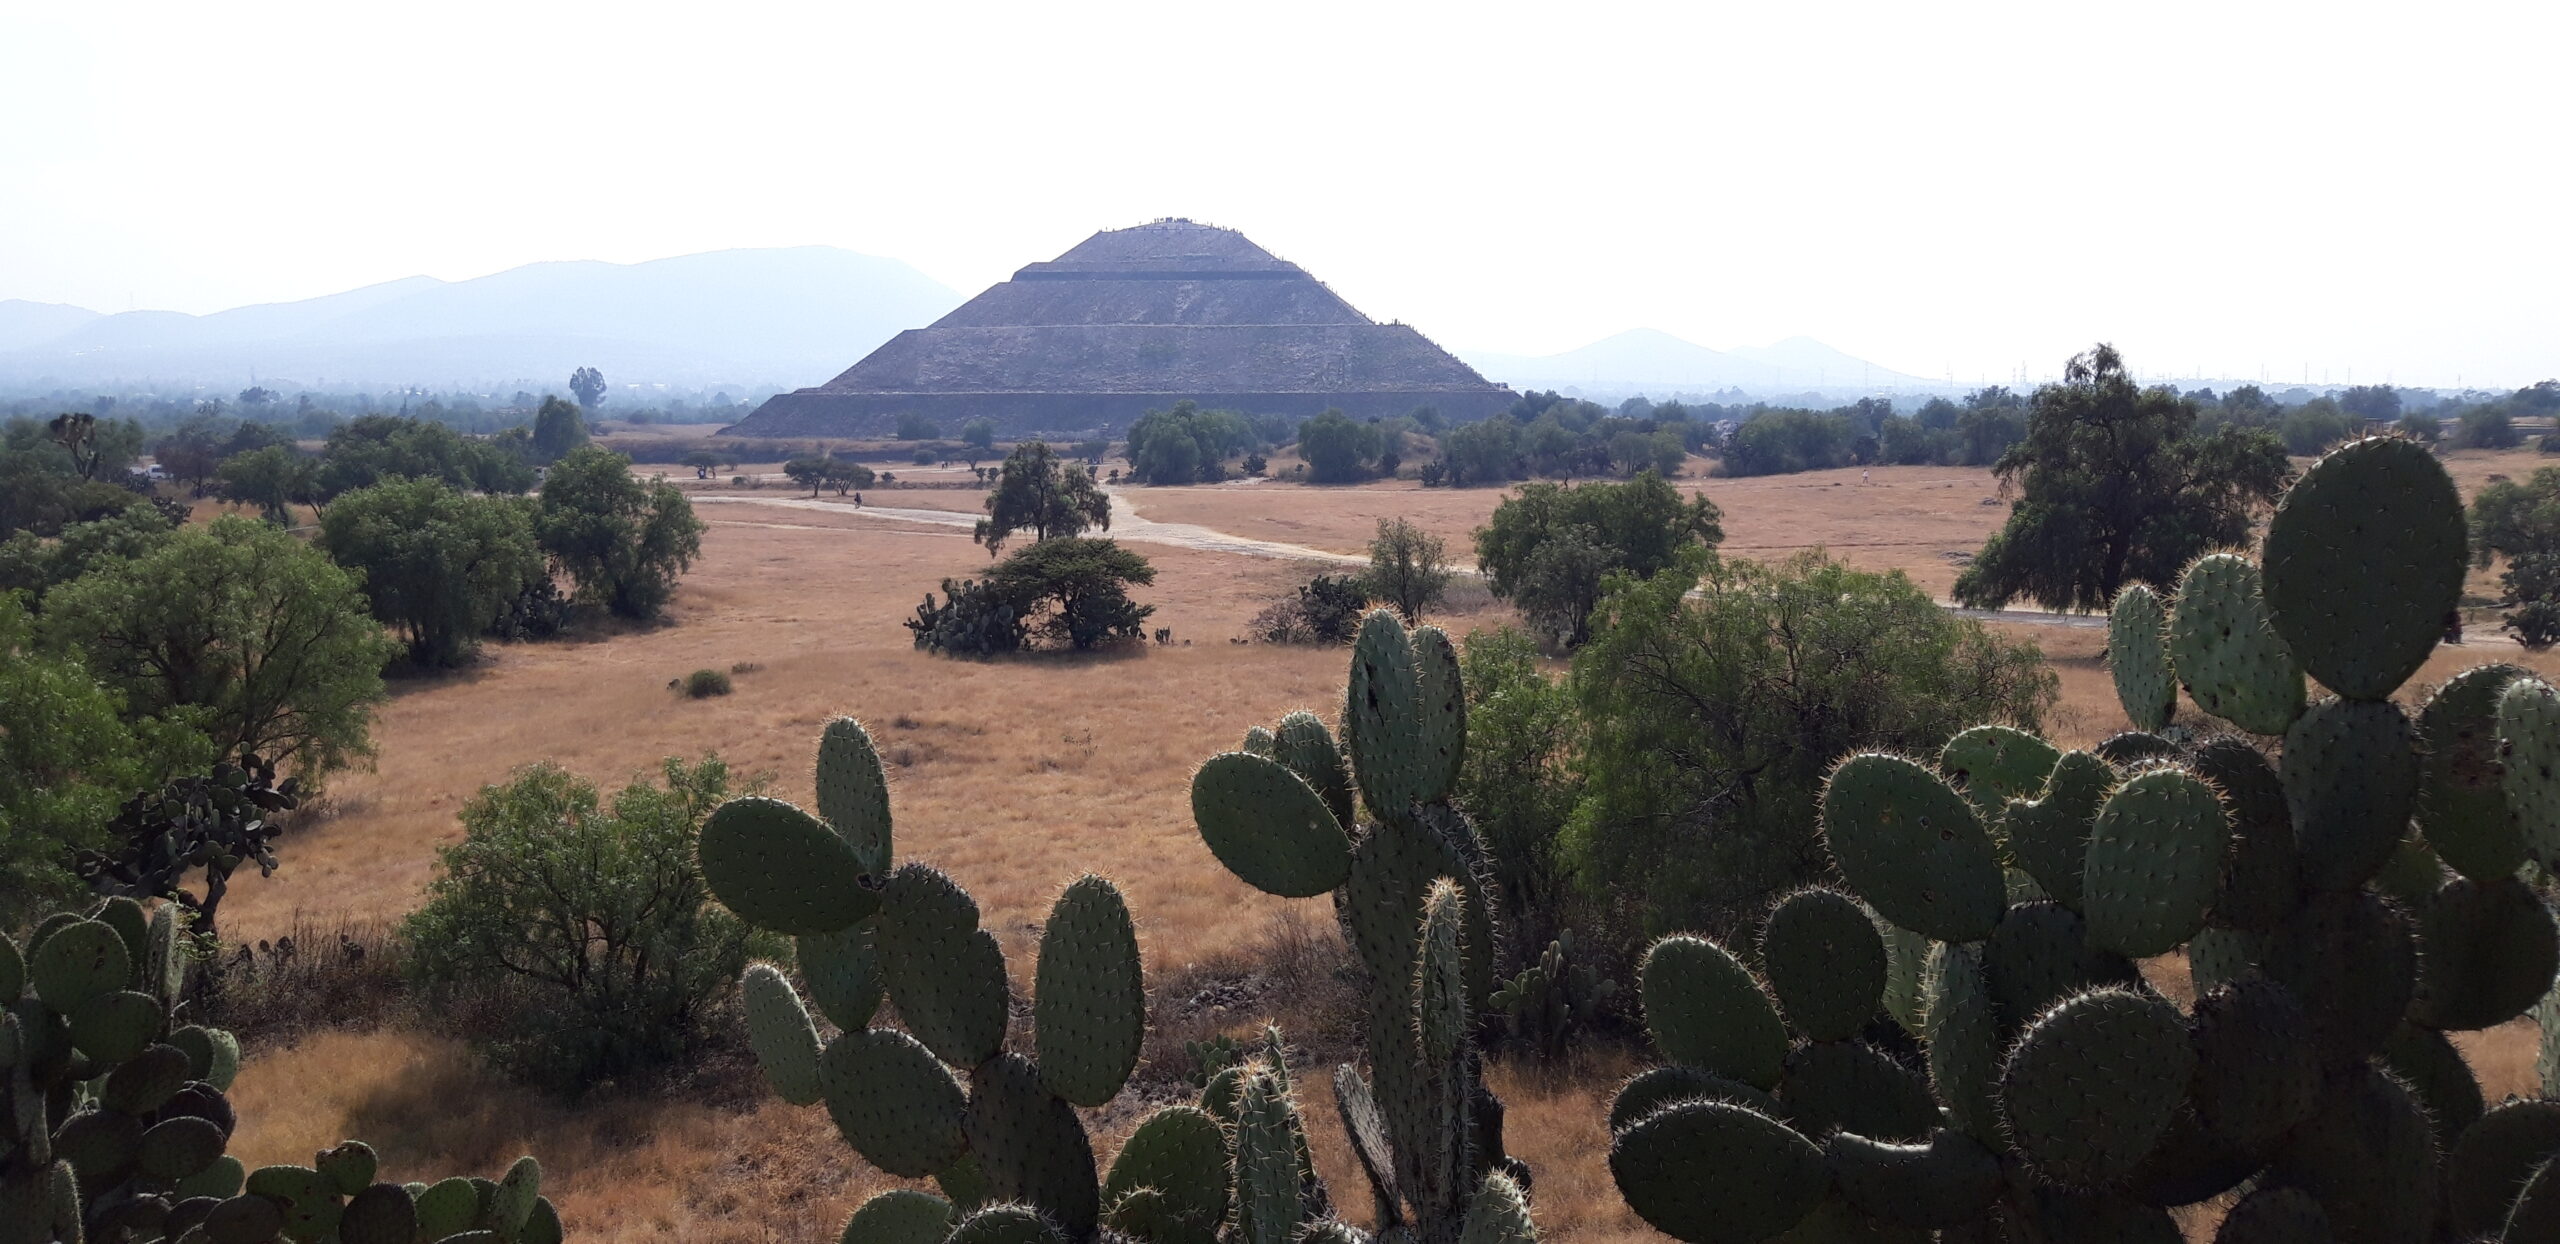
x,y
2273,189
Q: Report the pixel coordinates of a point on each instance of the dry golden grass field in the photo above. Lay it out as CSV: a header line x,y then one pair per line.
x,y
1015,777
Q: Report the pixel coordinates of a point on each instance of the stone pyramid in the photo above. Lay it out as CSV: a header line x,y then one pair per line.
x,y
1133,320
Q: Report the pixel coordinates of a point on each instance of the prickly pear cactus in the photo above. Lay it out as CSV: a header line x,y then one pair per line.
x,y
113,1114
2055,1094
1417,906
944,1098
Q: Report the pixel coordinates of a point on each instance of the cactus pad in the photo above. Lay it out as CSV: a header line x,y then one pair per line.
x,y
779,868
113,1027
1180,1153
79,961
2425,1060
1308,750
1268,1198
2462,801
1259,740
311,1206
2138,657
2275,1216
2529,748
2041,955
2351,776
2351,962
1707,1011
2226,650
2261,876
1005,1224
1649,1091
1268,826
1713,1173
2368,1158
350,1166
142,1084
2364,561
379,1214
1906,956
894,1104
179,1147
1833,1086
2256,1073
1382,713
1031,1146
1090,1009
843,973
945,973
2093,1084
2536,1215
901,1216
243,1219
780,1032
1912,848
853,792
2131,748
2490,1164
1825,962
1995,764
1946,1181
1443,705
2155,860
2048,836
1963,1042
2490,954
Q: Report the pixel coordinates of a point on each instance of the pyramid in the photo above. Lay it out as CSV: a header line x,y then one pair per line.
x,y
1133,320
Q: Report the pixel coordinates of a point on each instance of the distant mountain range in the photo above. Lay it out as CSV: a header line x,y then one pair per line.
x,y
780,317
1644,359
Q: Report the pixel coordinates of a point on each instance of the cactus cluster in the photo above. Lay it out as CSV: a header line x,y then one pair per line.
x,y
2340,912
1414,896
113,1119
944,1097
1554,998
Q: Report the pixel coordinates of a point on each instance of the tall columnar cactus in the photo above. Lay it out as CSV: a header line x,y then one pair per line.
x,y
1417,906
113,1116
944,1097
2055,1094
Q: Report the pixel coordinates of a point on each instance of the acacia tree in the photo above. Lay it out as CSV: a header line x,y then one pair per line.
x,y
1043,494
239,631
625,540
2111,486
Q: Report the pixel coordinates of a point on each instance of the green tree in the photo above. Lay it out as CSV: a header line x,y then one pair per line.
x,y
1337,448
1165,448
557,429
365,451
439,566
1408,567
67,759
2488,427
1075,590
812,471
2312,427
35,566
588,384
274,479
96,446
2113,486
239,631
1484,452
623,539
589,924
2372,403
916,427
979,435
1549,547
1037,492
1710,721
1519,783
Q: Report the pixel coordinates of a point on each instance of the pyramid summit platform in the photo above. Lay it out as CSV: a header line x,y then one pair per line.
x,y
1133,320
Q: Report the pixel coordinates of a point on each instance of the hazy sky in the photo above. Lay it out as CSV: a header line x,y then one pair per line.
x,y
1948,187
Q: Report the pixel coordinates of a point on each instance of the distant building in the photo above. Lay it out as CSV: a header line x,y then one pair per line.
x,y
1133,320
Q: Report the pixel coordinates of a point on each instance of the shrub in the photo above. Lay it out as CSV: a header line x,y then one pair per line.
x,y
1325,611
2488,427
538,611
623,539
1549,548
1071,591
973,620
2535,623
706,683
582,930
439,567
1408,567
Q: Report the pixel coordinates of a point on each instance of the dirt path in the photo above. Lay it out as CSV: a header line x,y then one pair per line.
x,y
1128,524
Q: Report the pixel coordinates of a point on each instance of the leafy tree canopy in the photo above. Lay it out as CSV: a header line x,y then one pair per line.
x,y
557,429
1710,721
239,631
1338,449
2112,486
369,449
1036,491
438,565
1549,547
625,540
